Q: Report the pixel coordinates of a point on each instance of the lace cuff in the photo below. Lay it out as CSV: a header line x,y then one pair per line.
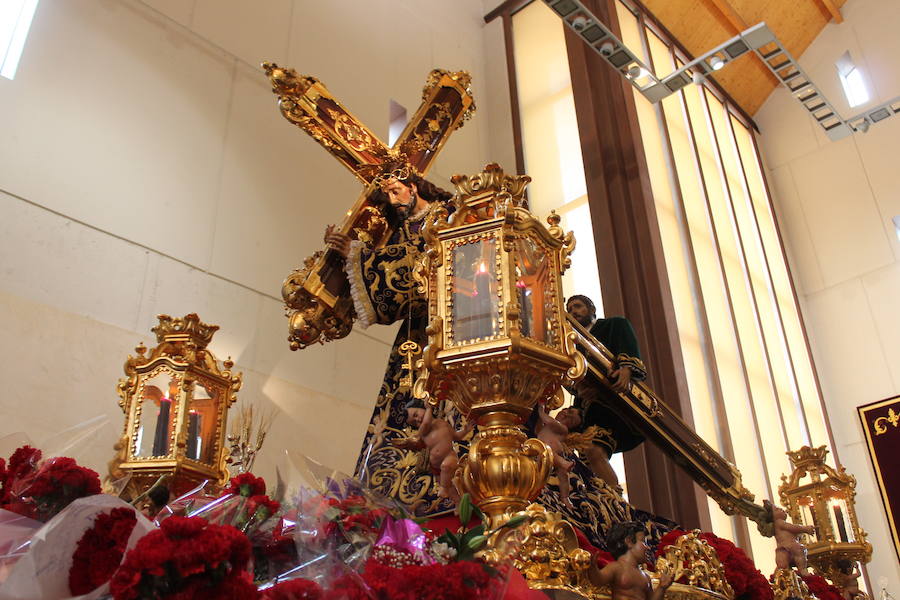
x,y
365,312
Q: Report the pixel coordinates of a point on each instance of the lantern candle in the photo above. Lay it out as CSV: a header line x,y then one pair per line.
x,y
841,526
193,441
161,435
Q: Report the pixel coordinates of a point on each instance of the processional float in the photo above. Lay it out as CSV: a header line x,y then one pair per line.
x,y
494,354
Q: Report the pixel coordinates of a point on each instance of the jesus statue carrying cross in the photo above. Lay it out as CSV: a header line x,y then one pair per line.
x,y
365,277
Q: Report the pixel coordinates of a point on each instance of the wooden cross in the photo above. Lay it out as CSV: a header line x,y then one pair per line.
x,y
317,295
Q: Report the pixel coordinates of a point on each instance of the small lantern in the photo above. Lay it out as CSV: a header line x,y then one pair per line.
x,y
176,404
817,494
498,338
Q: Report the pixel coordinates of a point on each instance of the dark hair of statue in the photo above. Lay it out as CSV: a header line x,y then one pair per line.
x,y
844,566
618,535
424,189
587,302
414,403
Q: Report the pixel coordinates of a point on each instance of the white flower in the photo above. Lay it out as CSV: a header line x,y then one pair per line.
x,y
441,552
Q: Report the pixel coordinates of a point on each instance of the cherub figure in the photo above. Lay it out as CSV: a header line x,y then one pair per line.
x,y
625,541
436,436
848,580
789,551
554,433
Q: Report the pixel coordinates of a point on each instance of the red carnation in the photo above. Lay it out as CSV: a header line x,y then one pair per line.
x,y
462,580
247,484
100,550
262,507
295,589
821,589
187,557
23,461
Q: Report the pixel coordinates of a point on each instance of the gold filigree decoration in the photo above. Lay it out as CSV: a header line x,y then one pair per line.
x,y
492,181
694,560
548,555
880,423
787,585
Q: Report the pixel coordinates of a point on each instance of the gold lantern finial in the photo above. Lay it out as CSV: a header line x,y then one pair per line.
x,y
817,494
175,399
187,329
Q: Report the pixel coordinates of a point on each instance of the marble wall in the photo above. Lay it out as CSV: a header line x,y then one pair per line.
x,y
835,202
145,169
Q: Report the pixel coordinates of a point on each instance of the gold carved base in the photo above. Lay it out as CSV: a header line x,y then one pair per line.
x,y
546,551
787,585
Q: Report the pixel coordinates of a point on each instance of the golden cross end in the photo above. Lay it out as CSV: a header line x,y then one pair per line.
x,y
409,350
446,103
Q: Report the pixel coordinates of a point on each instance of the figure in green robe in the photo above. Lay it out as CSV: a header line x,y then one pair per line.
x,y
597,404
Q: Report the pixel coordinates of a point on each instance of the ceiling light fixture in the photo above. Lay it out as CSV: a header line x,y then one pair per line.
x,y
758,39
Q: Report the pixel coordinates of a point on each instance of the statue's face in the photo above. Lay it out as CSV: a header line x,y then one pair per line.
x,y
639,548
570,417
400,196
582,313
414,416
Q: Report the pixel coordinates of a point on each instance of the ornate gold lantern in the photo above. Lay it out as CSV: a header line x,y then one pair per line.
x,y
176,402
817,494
498,338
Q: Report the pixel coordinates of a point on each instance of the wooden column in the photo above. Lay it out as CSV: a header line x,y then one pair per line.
x,y
631,266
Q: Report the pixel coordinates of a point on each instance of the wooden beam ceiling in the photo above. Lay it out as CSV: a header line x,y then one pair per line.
x,y
701,25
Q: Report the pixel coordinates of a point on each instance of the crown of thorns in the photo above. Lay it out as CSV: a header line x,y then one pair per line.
x,y
400,173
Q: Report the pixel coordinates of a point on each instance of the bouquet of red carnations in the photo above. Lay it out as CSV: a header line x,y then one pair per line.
x,y
39,490
186,558
77,551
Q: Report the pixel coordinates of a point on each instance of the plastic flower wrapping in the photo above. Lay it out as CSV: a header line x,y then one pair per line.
x,y
322,535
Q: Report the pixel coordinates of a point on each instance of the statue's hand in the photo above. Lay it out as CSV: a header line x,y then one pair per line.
x,y
621,379
337,241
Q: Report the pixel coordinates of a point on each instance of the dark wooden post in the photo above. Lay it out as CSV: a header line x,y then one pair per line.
x,y
630,260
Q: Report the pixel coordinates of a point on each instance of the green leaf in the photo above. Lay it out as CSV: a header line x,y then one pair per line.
x,y
477,512
515,521
465,509
477,542
475,531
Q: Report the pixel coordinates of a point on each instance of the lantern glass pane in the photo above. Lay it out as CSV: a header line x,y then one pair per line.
x,y
475,291
534,291
156,419
808,514
840,520
201,423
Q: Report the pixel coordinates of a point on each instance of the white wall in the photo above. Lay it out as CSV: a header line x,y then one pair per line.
x,y
145,169
835,201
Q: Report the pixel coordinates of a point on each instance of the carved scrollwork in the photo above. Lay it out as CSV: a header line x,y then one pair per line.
x,y
694,560
787,585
